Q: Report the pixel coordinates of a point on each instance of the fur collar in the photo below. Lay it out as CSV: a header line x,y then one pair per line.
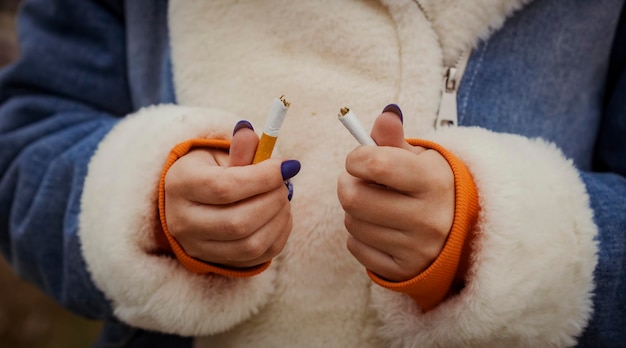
x,y
461,24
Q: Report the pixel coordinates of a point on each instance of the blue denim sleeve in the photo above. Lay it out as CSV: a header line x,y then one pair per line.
x,y
56,103
607,192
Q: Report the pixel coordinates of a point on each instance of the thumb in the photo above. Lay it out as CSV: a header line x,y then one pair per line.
x,y
387,129
243,144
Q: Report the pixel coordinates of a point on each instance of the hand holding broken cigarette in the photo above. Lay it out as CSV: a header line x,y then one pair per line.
x,y
399,201
226,211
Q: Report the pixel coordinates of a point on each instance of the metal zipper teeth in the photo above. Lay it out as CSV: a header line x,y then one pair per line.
x,y
447,114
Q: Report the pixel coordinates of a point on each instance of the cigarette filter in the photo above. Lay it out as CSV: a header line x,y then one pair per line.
x,y
354,126
270,132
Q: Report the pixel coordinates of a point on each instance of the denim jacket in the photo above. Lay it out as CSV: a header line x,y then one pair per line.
x,y
556,70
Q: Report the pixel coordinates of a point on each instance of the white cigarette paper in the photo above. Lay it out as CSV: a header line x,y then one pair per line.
x,y
354,126
276,116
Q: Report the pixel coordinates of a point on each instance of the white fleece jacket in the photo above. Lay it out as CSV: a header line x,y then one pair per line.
x,y
230,59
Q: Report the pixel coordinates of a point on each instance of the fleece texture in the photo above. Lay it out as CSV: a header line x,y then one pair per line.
x,y
459,23
512,298
149,290
238,56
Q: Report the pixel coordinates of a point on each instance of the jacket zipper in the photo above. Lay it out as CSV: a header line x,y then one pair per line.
x,y
447,115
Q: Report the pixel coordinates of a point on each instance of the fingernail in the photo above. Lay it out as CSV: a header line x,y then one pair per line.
x,y
289,189
395,109
242,124
289,169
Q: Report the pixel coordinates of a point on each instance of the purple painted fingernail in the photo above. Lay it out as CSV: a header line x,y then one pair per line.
x,y
242,124
289,169
395,109
289,189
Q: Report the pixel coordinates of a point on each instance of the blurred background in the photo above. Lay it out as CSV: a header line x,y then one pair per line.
x,y
29,319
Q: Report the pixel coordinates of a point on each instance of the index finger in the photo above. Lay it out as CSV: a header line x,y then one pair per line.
x,y
397,168
225,185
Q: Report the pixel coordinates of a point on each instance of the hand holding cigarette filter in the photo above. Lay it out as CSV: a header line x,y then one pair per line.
x,y
270,132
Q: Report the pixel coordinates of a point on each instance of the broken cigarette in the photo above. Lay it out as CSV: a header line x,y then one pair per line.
x,y
270,132
354,126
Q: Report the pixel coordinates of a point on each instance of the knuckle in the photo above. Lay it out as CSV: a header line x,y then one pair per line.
x,y
172,182
349,223
181,175
237,227
430,251
379,166
352,246
253,248
281,241
177,223
441,179
342,182
279,198
177,230
442,183
276,248
353,157
267,180
349,197
221,189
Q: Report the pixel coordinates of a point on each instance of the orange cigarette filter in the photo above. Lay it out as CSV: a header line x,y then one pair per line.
x,y
265,148
270,132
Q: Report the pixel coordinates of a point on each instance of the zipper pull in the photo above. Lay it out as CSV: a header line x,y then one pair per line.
x,y
447,115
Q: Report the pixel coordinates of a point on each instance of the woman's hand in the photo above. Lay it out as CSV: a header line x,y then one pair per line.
x,y
223,210
399,202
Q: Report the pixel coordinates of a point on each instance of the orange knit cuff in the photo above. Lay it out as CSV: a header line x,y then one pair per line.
x,y
431,286
190,263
